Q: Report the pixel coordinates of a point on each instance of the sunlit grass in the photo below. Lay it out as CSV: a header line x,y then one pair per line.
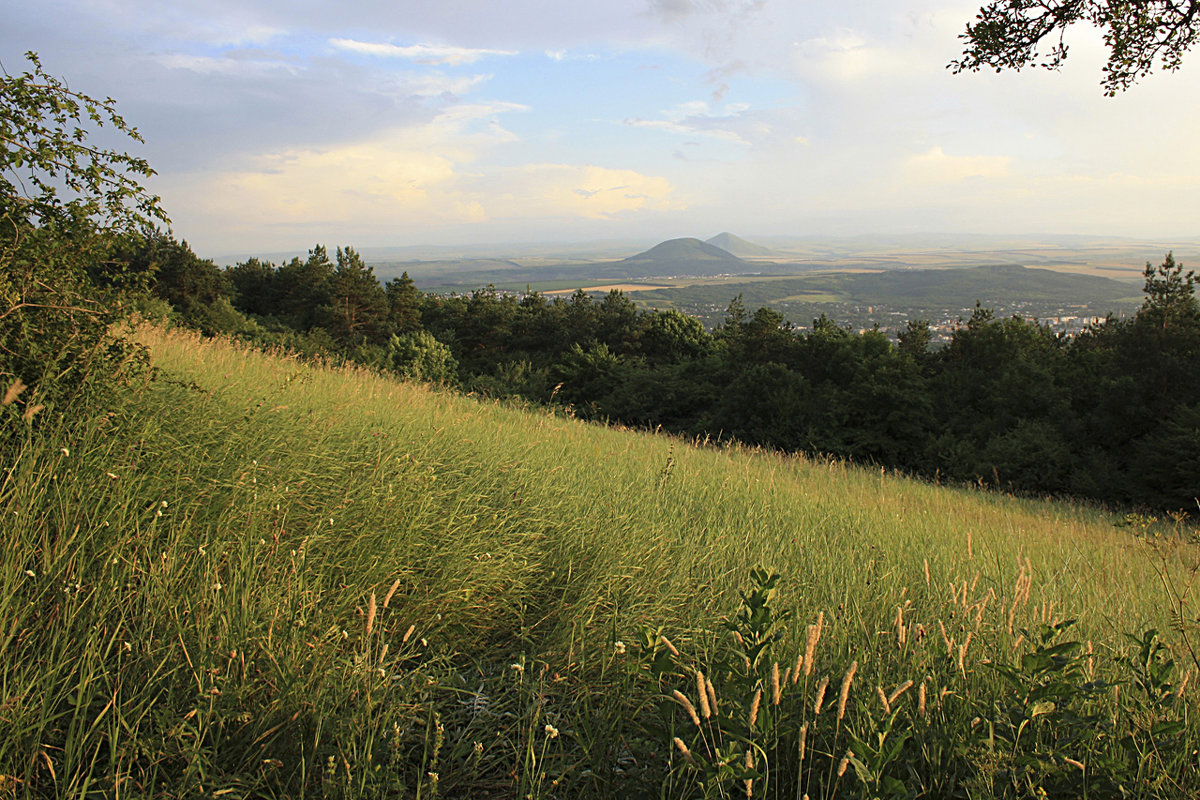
x,y
188,579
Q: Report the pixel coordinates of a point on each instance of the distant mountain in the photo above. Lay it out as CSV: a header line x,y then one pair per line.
x,y
685,256
739,246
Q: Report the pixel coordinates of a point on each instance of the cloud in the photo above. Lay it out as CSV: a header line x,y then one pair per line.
x,y
935,166
437,84
407,180
581,191
420,53
226,65
697,118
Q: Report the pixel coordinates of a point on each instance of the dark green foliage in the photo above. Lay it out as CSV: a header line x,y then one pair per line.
x,y
67,207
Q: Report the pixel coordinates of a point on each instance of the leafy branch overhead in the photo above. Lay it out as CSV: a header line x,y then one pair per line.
x,y
1012,34
44,150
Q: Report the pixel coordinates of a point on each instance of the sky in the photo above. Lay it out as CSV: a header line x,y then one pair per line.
x,y
277,124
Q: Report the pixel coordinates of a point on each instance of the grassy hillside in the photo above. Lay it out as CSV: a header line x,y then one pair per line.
x,y
255,577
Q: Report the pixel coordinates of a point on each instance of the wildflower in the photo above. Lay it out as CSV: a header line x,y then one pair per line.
x,y
619,647
519,667
66,451
31,573
111,475
551,732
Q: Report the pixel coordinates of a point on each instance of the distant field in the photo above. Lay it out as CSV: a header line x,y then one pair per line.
x,y
621,287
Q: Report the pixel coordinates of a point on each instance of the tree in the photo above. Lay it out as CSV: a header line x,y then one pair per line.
x,y
1170,296
66,208
1012,34
404,304
358,307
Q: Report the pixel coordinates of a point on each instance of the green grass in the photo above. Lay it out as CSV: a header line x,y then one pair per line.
x,y
189,577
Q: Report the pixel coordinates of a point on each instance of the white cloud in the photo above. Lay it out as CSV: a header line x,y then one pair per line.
x,y
222,65
936,166
420,53
412,180
437,84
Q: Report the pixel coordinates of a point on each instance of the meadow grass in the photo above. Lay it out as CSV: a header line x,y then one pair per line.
x,y
257,577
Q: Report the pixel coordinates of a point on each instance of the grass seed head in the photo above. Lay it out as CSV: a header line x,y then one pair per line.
x,y
844,695
702,692
10,394
899,690
391,592
821,687
683,748
687,706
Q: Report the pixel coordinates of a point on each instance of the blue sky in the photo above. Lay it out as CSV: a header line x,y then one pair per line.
x,y
274,125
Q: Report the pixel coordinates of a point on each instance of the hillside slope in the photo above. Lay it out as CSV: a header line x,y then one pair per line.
x,y
261,577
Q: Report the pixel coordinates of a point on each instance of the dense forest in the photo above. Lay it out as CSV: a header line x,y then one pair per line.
x,y
1110,415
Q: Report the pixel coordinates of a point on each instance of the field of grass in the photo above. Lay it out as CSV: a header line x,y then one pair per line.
x,y
259,578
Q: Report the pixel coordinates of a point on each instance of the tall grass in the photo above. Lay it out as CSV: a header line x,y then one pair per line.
x,y
257,577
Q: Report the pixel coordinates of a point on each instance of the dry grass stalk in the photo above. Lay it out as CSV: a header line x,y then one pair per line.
x,y
796,668
31,412
927,572
391,593
371,614
901,632
803,741
1077,764
702,691
754,707
845,762
1187,676
921,698
883,700
408,634
844,695
712,697
667,643
970,546
821,687
776,692
687,706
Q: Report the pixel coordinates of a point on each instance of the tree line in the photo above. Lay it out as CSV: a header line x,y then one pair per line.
x,y
1112,414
